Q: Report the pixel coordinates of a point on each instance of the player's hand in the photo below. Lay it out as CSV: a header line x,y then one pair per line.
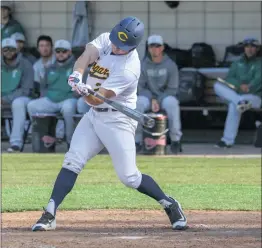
x,y
74,79
82,89
244,88
155,106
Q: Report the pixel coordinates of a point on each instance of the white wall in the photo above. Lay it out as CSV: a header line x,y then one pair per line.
x,y
217,23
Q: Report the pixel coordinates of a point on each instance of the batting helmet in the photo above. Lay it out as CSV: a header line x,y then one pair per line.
x,y
127,34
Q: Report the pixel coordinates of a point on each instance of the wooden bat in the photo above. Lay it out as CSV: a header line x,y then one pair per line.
x,y
226,83
144,119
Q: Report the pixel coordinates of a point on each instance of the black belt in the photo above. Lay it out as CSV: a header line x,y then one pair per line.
x,y
104,109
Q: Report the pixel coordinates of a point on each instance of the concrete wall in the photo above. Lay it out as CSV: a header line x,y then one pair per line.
x,y
217,23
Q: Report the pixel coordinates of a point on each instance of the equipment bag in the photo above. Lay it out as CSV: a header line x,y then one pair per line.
x,y
44,133
203,55
191,86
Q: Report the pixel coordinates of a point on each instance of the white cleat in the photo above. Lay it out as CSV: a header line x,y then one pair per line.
x,y
47,222
243,106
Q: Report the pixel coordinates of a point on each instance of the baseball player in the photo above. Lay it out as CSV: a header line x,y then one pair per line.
x,y
115,72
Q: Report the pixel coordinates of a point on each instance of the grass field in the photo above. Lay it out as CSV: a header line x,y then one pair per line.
x,y
198,183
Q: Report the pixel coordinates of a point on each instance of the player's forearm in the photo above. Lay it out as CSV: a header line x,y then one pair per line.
x,y
81,64
93,100
88,57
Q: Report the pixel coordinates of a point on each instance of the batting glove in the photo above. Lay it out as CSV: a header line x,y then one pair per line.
x,y
74,79
82,89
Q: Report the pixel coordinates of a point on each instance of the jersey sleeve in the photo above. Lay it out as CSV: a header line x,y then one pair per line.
x,y
101,42
119,82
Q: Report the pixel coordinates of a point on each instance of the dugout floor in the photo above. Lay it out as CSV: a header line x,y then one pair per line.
x,y
134,229
203,149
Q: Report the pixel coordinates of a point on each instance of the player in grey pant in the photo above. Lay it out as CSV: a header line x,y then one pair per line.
x,y
157,90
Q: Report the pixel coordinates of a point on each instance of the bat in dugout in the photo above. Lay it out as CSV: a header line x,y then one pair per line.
x,y
233,87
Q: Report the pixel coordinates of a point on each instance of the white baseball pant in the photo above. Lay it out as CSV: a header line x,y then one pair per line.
x,y
112,130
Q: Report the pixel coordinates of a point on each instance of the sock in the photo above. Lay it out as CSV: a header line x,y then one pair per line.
x,y
150,188
63,185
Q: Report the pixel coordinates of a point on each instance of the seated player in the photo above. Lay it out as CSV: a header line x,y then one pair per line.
x,y
158,88
17,78
245,75
56,94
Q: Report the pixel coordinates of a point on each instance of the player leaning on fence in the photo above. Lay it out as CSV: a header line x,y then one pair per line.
x,y
245,75
157,89
17,78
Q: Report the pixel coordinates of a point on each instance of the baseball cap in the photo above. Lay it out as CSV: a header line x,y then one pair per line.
x,y
155,39
251,41
63,44
8,42
18,37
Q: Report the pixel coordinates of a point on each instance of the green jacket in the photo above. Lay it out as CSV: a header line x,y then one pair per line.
x,y
10,28
247,71
55,82
16,79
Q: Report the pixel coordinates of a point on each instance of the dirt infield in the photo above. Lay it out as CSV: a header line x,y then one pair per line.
x,y
120,228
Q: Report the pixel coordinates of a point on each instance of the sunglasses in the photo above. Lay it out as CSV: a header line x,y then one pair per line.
x,y
155,45
61,50
9,49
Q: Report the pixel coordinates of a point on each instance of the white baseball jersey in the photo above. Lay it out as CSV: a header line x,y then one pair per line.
x,y
119,73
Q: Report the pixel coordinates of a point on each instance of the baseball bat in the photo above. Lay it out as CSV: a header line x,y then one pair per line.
x,y
144,119
226,83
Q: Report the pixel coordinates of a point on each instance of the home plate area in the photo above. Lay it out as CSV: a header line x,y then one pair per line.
x,y
134,228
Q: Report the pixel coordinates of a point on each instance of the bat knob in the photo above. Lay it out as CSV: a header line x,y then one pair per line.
x,y
150,123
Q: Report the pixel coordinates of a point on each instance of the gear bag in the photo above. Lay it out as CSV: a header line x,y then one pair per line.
x,y
191,86
202,55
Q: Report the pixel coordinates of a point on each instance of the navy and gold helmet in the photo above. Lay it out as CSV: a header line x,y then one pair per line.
x,y
127,34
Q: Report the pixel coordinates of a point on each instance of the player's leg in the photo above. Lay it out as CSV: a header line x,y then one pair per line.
x,y
171,105
226,93
123,154
82,106
143,105
84,145
42,105
233,119
68,110
19,110
231,127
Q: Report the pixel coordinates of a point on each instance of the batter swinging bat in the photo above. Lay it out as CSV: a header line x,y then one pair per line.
x,y
141,118
226,83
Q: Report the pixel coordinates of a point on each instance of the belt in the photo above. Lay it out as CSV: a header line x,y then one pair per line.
x,y
104,109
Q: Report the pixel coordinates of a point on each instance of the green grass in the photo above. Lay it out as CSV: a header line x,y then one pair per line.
x,y
198,183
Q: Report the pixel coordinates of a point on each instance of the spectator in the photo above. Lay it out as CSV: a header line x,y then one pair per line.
x,y
17,82
245,75
20,41
9,26
45,48
56,94
157,89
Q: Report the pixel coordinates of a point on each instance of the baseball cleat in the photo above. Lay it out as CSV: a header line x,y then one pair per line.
x,y
222,144
176,215
243,106
47,222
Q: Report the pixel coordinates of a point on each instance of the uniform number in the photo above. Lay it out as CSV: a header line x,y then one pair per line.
x,y
97,86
